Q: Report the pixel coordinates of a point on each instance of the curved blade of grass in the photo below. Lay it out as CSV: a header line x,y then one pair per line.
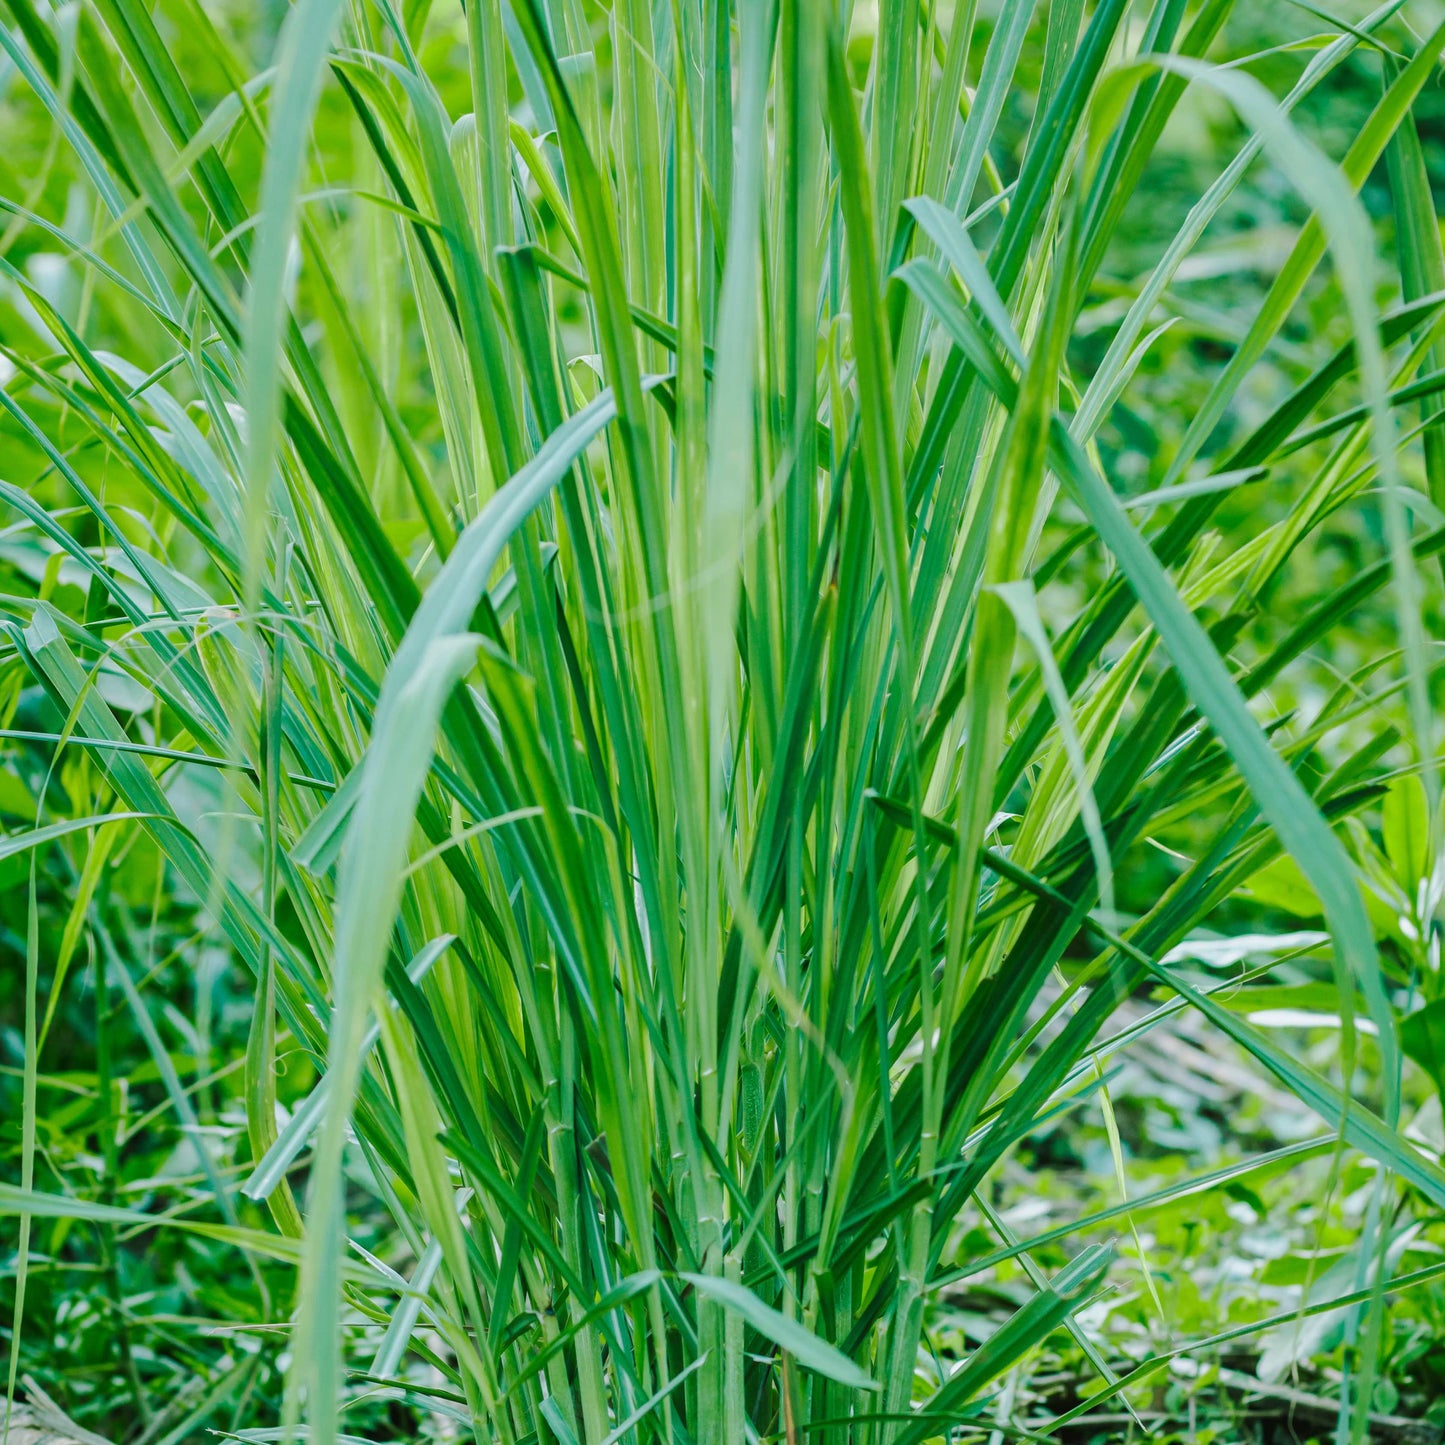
x,y
304,42
1025,1328
369,890
788,1334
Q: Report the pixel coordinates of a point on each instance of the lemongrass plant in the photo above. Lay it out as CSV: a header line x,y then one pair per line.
x,y
584,476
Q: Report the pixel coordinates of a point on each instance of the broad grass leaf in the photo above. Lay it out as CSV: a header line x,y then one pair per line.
x,y
1283,885
369,890
1028,1326
1422,1036
305,40
23,842
799,1341
1406,827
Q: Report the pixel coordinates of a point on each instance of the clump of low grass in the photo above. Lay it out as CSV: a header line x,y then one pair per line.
x,y
592,502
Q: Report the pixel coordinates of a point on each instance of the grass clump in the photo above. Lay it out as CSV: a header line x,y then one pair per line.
x,y
594,558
